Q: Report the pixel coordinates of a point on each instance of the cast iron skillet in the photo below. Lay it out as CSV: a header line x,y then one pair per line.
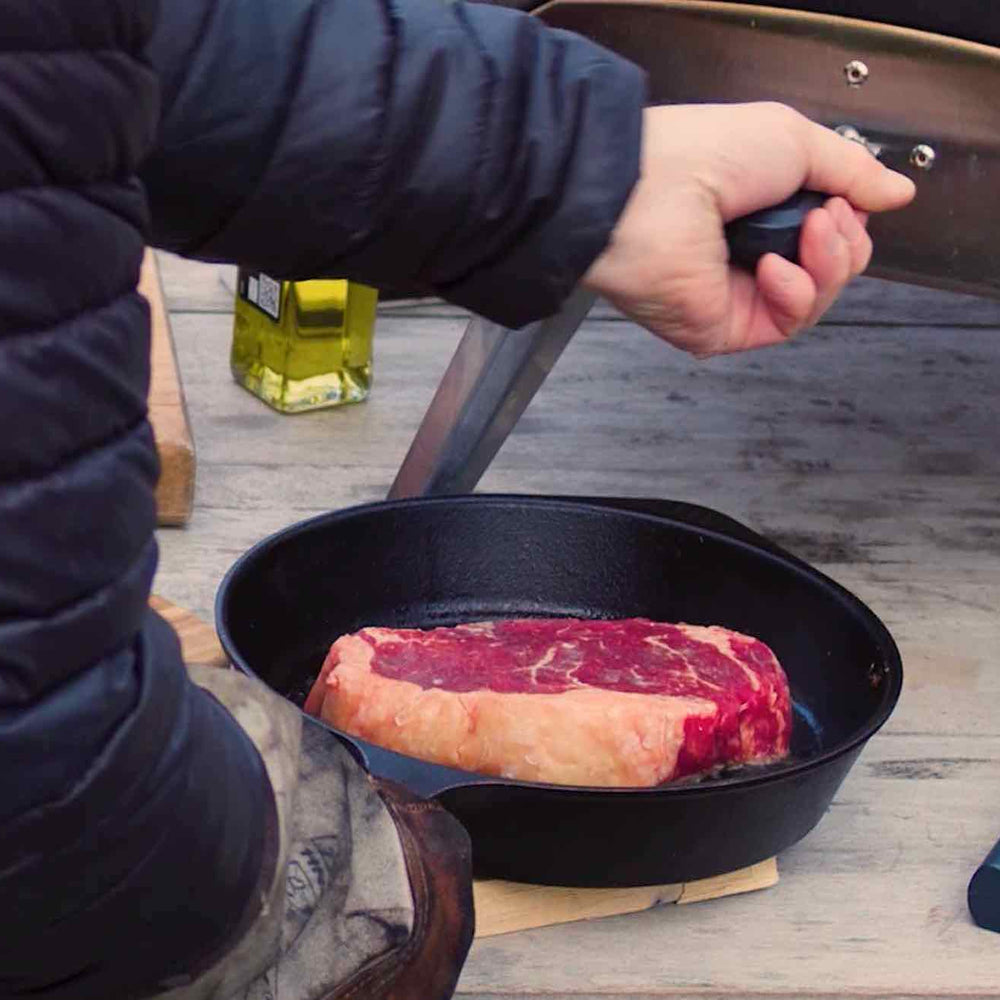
x,y
438,561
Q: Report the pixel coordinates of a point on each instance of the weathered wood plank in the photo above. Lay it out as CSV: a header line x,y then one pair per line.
x,y
167,413
191,286
510,907
199,644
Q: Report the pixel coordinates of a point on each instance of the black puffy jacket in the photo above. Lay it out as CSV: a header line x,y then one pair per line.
x,y
435,146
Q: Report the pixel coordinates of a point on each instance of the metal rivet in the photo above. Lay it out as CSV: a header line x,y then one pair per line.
x,y
923,156
851,133
856,72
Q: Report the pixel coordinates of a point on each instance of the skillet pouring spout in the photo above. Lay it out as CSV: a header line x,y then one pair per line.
x,y
444,560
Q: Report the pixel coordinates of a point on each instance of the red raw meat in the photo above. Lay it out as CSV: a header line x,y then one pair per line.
x,y
601,703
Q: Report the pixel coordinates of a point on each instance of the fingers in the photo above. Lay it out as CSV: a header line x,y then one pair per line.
x,y
759,311
782,151
835,248
783,298
839,166
788,294
666,265
851,225
825,254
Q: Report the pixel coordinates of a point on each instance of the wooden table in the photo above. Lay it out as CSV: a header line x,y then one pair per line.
x,y
870,447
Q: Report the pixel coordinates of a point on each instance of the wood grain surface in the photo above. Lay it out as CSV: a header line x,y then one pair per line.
x,y
167,411
870,446
506,907
200,645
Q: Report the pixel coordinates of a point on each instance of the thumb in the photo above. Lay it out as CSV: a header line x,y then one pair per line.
x,y
839,166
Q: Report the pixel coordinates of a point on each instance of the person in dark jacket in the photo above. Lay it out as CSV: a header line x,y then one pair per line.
x,y
148,815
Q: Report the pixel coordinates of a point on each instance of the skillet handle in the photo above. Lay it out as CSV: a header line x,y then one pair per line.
x,y
422,778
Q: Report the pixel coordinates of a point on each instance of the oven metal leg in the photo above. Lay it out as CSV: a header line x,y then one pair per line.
x,y
492,378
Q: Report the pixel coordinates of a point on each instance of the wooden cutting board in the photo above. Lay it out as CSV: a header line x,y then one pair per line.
x,y
167,411
505,907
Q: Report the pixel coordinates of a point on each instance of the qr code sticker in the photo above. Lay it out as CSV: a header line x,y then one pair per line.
x,y
269,296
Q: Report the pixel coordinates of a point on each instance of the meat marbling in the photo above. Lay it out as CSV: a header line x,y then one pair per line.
x,y
622,703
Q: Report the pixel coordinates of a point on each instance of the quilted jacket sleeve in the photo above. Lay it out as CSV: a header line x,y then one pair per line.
x,y
463,150
132,807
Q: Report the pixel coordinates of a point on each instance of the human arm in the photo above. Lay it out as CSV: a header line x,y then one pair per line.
x,y
460,150
134,808
476,206
102,739
667,263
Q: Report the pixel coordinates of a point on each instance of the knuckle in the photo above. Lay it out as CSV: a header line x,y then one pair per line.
x,y
777,116
778,110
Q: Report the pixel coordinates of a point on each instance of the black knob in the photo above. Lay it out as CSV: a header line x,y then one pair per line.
x,y
771,230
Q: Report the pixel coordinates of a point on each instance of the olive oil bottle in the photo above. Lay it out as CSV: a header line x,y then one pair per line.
x,y
303,345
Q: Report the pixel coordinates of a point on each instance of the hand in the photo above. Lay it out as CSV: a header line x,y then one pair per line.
x,y
666,265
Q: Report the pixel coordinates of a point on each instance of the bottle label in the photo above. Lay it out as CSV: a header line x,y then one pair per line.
x,y
261,291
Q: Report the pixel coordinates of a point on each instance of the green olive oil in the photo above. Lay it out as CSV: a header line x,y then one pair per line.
x,y
303,345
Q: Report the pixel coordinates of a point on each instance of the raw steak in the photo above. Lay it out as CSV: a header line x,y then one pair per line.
x,y
604,703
